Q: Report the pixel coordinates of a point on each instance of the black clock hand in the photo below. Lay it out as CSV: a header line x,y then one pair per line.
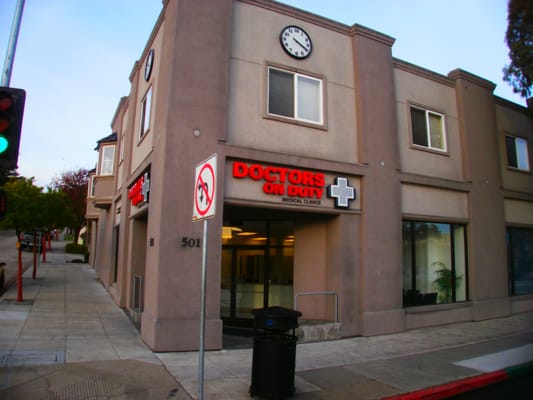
x,y
301,45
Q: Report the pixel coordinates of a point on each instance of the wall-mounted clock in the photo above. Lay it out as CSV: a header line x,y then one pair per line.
x,y
296,42
149,64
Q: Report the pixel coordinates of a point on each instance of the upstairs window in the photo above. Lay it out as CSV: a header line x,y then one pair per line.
x,y
295,96
108,160
92,186
517,152
121,148
146,106
428,129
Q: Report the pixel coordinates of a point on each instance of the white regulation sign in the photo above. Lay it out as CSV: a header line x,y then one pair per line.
x,y
205,188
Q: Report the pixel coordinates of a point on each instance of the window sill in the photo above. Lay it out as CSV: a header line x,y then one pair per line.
x,y
321,127
521,171
437,307
518,297
430,150
141,138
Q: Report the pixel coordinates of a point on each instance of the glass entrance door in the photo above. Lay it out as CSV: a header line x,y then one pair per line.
x,y
243,281
257,269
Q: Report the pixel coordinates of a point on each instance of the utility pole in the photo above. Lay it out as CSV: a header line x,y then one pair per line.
x,y
12,44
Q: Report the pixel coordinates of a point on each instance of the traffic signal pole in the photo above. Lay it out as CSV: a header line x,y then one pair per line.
x,y
11,101
12,44
6,81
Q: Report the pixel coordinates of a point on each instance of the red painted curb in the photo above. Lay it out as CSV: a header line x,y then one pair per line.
x,y
453,388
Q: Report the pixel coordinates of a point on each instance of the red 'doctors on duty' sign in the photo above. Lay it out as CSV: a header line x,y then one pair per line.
x,y
283,181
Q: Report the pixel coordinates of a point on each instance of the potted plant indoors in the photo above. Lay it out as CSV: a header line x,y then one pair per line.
x,y
443,282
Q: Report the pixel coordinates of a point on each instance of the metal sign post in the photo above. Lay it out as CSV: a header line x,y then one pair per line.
x,y
201,356
204,207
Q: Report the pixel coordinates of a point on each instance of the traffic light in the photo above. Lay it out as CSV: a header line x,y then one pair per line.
x,y
11,113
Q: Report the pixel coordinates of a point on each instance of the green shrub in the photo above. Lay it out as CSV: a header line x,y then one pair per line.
x,y
74,248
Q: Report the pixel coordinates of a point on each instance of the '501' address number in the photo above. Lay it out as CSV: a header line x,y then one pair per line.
x,y
189,242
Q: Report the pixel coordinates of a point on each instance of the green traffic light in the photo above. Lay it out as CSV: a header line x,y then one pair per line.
x,y
3,144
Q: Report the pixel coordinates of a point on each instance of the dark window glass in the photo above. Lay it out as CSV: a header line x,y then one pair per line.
x,y
281,93
520,260
418,124
511,151
434,263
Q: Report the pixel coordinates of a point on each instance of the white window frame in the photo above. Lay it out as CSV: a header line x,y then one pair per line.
x,y
122,144
108,160
521,148
92,186
146,113
444,138
296,117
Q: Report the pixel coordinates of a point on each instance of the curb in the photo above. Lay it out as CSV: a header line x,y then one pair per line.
x,y
466,385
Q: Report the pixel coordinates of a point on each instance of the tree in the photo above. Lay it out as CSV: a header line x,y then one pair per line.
x,y
519,39
28,208
56,208
74,185
24,205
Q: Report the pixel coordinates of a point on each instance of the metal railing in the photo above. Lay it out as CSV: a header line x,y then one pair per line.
x,y
322,293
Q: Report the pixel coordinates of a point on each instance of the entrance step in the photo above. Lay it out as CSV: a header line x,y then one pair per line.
x,y
310,331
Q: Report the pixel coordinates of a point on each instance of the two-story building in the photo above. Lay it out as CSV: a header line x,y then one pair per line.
x,y
371,194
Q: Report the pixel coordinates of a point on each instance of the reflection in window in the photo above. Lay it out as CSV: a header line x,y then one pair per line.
x,y
108,158
428,129
92,186
294,96
517,153
434,263
257,266
520,261
146,106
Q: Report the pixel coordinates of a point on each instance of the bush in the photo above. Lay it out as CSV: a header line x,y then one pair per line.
x,y
74,248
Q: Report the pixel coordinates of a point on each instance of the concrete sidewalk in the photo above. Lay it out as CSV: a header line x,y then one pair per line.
x,y
374,367
69,340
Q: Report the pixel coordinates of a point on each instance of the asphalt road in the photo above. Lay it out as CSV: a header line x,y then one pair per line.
x,y
515,389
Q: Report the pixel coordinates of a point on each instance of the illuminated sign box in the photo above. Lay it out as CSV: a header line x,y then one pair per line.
x,y
291,186
139,191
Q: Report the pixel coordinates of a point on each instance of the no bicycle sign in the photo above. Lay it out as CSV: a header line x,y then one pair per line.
x,y
205,189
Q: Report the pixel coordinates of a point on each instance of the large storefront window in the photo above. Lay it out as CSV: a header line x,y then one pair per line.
x,y
520,261
257,267
434,263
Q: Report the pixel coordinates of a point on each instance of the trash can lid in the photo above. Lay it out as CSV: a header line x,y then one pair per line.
x,y
276,312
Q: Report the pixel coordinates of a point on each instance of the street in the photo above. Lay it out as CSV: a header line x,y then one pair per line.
x,y
517,389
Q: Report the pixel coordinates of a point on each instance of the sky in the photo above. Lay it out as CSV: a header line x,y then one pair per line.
x,y
74,58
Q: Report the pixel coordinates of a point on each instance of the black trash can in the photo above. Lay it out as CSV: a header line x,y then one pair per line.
x,y
274,352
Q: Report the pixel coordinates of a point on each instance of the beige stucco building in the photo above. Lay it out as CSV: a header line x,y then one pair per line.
x,y
371,194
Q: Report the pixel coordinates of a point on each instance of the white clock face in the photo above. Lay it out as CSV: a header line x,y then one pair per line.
x,y
296,42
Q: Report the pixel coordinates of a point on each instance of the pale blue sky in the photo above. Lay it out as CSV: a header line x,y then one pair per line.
x,y
74,58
